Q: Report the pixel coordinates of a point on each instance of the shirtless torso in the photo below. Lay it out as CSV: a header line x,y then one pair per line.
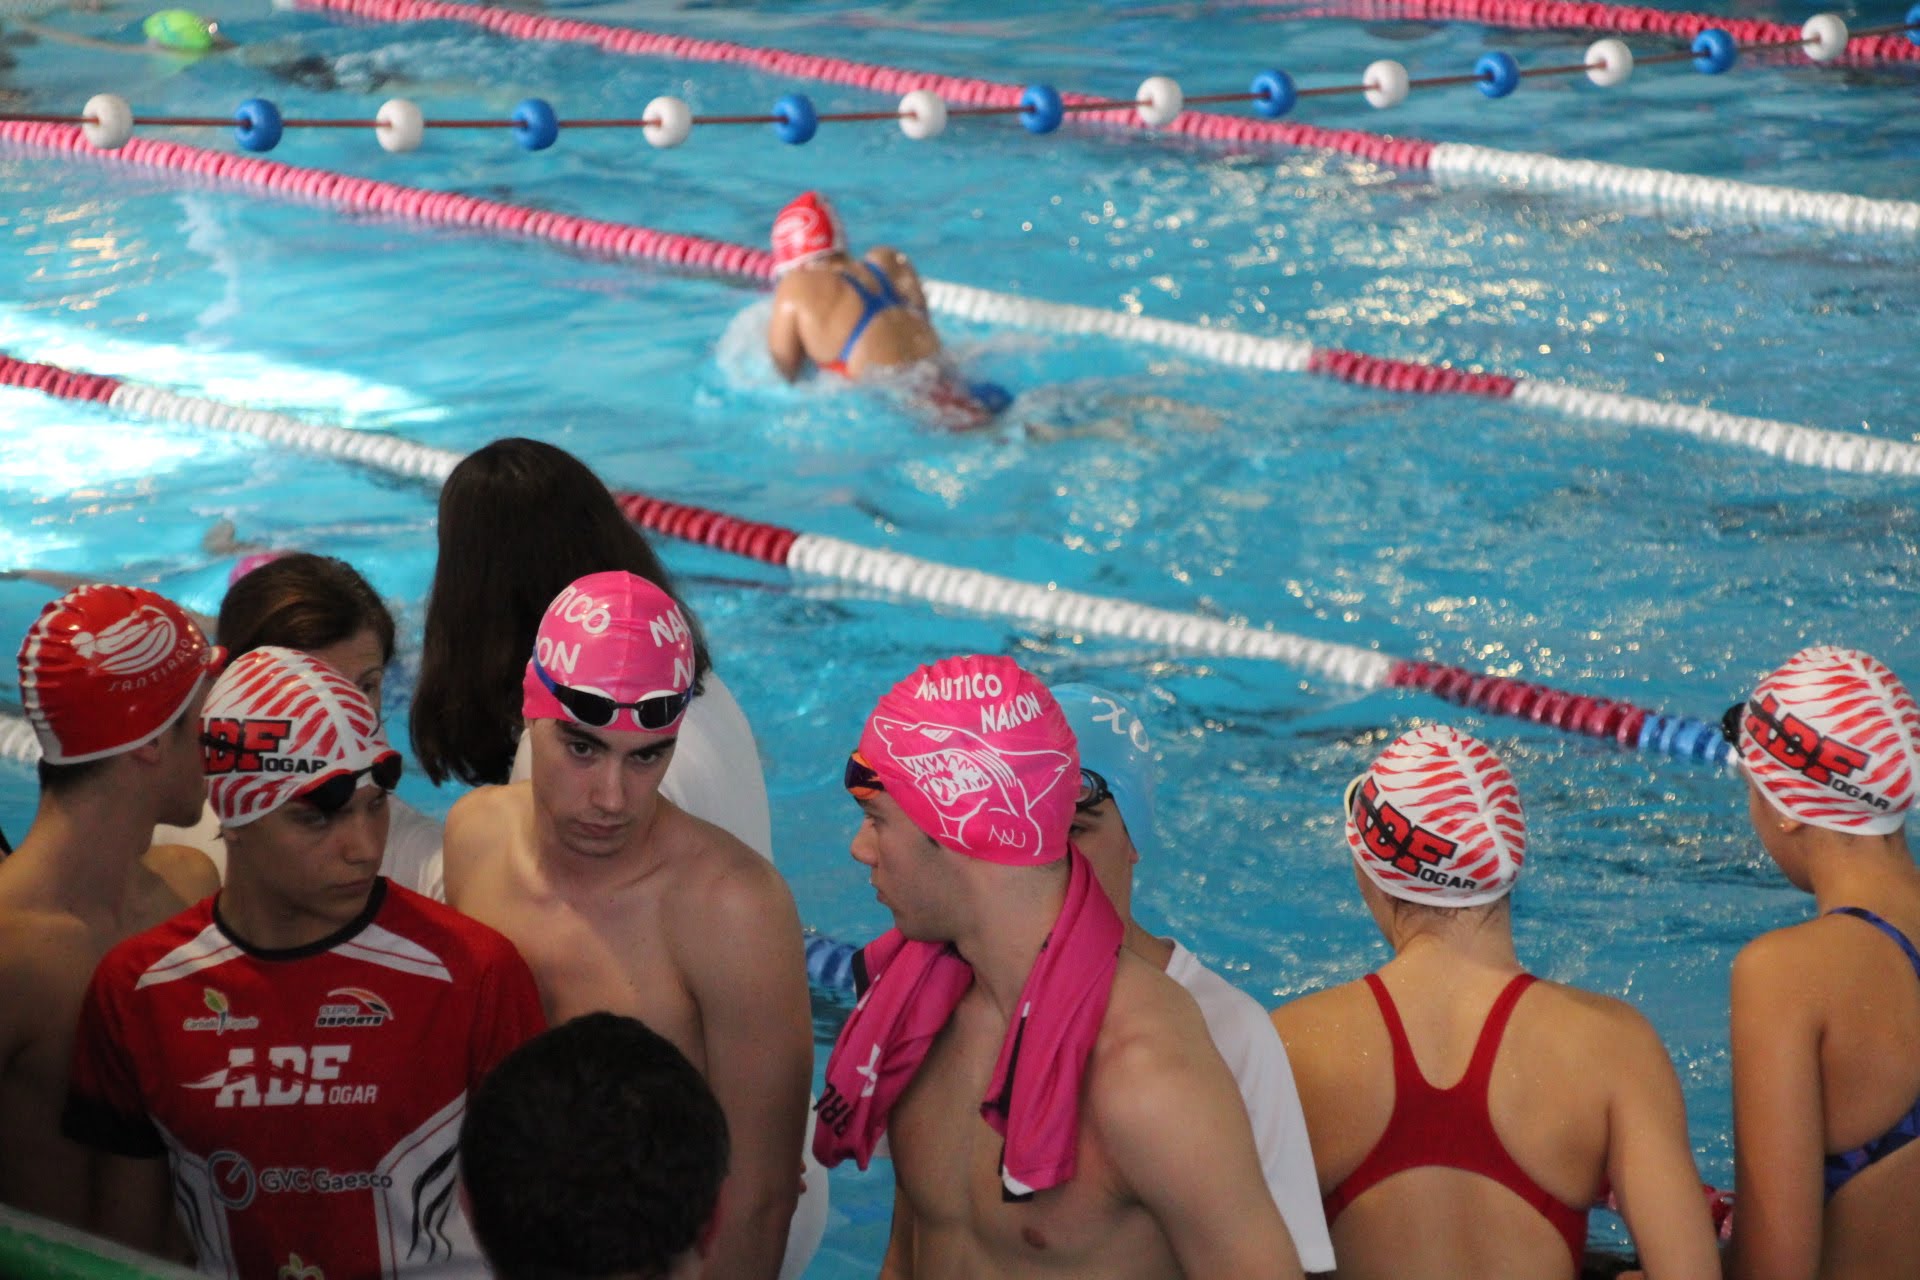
x,y
51,938
850,316
1167,1182
691,932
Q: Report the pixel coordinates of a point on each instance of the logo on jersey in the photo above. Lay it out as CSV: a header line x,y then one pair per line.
x,y
294,1269
222,1020
353,1007
231,1177
294,1076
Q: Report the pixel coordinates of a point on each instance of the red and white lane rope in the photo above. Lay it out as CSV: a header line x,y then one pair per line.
x,y
910,576
1807,446
1850,213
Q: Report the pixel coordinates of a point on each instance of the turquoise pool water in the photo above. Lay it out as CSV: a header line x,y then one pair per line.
x,y
1603,560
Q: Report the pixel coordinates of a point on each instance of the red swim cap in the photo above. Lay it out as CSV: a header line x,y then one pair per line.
x,y
806,229
980,757
105,668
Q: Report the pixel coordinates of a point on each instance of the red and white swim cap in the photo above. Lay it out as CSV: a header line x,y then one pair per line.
x,y
806,229
613,652
105,668
1833,739
279,724
1437,821
980,757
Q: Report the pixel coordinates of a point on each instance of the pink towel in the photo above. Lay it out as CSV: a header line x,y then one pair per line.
x,y
1033,1102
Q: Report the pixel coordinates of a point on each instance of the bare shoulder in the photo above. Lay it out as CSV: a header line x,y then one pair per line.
x,y
1152,1025
1322,1031
476,819
717,878
187,873
1153,1059
36,943
1594,1029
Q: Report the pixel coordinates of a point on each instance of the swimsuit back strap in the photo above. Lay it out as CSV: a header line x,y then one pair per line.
x,y
1839,1168
1861,913
1480,1070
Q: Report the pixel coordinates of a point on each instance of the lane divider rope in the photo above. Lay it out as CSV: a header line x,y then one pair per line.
x,y
970,589
1802,445
1856,214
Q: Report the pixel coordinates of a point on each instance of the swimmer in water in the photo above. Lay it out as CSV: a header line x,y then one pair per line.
x,y
858,316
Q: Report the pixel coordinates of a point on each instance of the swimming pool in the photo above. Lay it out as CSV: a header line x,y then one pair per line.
x,y
1602,559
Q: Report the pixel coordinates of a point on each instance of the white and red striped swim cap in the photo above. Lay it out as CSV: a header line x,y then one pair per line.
x,y
280,724
1436,820
806,229
1833,739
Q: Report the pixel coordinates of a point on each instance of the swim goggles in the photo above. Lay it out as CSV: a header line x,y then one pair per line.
x,y
336,793
1094,792
1730,722
597,711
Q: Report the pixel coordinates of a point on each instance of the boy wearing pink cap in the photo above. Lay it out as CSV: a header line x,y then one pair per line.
x,y
112,679
1462,1113
1053,1103
1826,1014
623,902
291,1060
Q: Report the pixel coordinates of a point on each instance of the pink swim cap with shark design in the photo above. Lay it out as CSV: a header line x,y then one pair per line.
x,y
980,757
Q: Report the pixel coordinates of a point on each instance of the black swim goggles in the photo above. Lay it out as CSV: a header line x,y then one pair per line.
x,y
1094,792
597,711
1731,721
336,793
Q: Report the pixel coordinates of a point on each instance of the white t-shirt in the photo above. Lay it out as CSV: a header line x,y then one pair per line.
x,y
1245,1037
715,771
413,846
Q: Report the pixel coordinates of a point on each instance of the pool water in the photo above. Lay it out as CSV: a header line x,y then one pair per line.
x,y
1605,560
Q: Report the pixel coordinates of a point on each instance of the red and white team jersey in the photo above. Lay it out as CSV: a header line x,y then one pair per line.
x,y
309,1101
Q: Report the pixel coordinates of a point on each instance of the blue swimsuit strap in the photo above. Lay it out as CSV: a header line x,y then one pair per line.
x,y
1841,1167
872,302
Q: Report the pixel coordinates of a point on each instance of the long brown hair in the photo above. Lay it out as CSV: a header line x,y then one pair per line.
x,y
519,520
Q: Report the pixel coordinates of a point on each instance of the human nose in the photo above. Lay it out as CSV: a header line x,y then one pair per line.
x,y
608,788
866,845
362,840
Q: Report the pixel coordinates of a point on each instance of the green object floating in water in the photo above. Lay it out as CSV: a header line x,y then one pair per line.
x,y
182,30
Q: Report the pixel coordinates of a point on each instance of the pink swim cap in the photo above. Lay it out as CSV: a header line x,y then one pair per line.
x,y
104,669
978,754
611,643
246,564
1833,739
806,229
280,725
1437,821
